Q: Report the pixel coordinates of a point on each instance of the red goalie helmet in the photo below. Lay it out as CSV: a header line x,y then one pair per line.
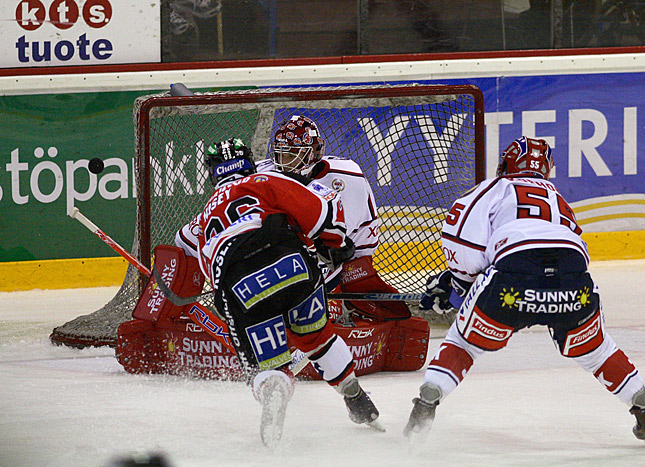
x,y
526,155
297,145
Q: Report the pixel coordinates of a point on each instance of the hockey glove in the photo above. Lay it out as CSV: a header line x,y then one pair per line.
x,y
437,295
460,289
334,257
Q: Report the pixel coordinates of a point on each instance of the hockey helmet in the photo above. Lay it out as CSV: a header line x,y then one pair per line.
x,y
297,145
228,158
526,155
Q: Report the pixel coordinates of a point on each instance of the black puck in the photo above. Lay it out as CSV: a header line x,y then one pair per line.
x,y
96,165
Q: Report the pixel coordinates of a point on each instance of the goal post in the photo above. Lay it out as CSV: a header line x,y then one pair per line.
x,y
420,146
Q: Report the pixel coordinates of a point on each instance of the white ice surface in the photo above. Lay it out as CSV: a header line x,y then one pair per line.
x,y
522,406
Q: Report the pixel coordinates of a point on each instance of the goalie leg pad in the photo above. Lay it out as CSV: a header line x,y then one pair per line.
x,y
368,345
137,348
359,275
408,345
176,347
382,345
180,273
335,307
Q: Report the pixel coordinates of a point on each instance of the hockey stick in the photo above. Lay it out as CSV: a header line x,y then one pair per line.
x,y
376,296
201,315
76,214
359,296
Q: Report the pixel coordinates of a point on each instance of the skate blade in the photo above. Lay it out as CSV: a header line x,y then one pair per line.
x,y
376,425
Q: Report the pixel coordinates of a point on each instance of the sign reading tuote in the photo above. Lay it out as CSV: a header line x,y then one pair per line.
x,y
78,32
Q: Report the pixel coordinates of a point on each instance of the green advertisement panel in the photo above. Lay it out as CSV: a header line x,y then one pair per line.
x,y
46,142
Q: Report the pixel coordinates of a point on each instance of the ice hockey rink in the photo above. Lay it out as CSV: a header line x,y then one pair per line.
x,y
522,406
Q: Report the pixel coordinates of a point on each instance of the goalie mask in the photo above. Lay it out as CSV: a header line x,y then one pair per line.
x,y
227,159
526,155
297,145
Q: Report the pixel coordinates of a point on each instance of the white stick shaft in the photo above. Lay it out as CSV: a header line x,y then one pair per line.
x,y
301,361
76,214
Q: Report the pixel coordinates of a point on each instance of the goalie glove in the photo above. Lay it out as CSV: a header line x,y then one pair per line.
x,y
444,293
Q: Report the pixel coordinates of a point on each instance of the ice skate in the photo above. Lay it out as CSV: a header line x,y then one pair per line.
x,y
422,414
273,392
638,411
360,407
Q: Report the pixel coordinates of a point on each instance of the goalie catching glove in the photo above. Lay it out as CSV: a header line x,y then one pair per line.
x,y
444,293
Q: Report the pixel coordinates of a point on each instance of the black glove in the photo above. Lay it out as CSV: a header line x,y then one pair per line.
x,y
437,294
334,257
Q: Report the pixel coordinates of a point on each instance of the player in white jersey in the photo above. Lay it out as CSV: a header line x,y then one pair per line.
x,y
346,178
298,147
516,259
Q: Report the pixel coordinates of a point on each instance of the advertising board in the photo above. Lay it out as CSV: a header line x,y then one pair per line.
x,y
37,33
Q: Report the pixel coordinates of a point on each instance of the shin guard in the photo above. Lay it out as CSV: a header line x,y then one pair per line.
x,y
333,361
448,367
619,376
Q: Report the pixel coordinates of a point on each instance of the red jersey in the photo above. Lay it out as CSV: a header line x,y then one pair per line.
x,y
243,204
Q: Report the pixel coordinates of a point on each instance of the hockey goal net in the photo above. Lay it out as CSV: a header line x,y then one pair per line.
x,y
420,146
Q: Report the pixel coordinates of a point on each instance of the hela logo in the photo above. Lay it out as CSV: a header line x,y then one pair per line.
x,y
62,14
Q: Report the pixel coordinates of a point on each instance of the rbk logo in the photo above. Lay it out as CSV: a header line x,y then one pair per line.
x,y
361,333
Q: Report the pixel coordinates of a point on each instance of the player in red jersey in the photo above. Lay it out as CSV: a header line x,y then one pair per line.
x,y
254,243
516,259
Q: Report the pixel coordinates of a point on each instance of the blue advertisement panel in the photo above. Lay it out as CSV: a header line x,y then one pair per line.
x,y
596,126
371,134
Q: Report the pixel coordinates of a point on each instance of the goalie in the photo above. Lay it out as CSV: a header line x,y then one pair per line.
x,y
299,148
